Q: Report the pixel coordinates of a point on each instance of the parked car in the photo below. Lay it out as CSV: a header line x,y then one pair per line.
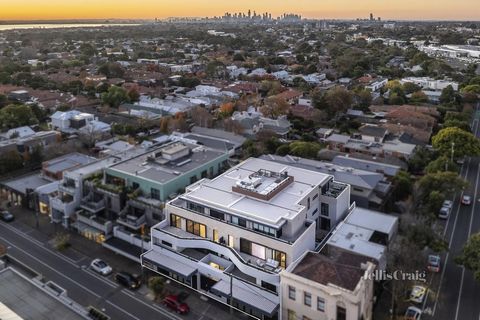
x,y
128,280
447,204
434,263
413,313
417,294
6,216
444,212
466,200
172,302
101,267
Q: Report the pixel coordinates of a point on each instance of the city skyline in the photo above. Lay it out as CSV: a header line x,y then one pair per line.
x,y
328,9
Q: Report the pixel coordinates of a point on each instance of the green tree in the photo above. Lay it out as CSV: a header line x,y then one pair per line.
x,y
403,185
338,100
419,160
448,182
442,163
465,143
283,150
157,285
115,96
305,149
448,96
470,256
418,97
13,116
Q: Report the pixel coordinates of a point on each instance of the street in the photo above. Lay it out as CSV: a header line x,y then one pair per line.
x,y
82,284
454,294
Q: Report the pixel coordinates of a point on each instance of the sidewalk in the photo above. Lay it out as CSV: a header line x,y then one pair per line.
x,y
81,251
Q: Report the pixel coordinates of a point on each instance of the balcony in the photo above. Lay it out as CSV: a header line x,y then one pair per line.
x,y
132,221
94,221
183,239
93,203
110,188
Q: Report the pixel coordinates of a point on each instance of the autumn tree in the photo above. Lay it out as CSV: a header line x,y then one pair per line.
x,y
201,117
338,100
226,110
274,107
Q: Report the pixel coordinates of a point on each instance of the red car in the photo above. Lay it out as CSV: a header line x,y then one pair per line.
x,y
173,303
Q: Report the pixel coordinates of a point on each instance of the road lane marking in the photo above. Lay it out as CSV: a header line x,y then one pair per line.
x,y
49,267
93,274
469,234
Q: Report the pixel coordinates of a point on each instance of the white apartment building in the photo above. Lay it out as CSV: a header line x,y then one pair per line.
x,y
233,235
430,84
322,287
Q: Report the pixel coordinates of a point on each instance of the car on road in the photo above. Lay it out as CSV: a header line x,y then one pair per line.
x,y
101,267
417,294
6,216
466,200
128,280
413,313
434,263
173,303
444,212
447,204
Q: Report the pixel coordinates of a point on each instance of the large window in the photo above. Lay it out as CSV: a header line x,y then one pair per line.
x,y
197,228
230,241
320,304
264,229
217,214
239,221
175,221
215,235
291,292
307,299
292,315
196,207
262,252
154,193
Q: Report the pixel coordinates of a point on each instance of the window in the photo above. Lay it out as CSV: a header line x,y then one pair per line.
x,y
196,207
196,228
281,257
320,304
292,315
193,179
245,246
264,229
315,212
154,193
291,292
269,286
175,221
204,174
315,196
308,203
215,235
324,209
217,215
230,241
341,313
307,299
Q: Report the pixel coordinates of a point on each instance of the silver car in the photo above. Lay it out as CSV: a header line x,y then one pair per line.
x,y
101,267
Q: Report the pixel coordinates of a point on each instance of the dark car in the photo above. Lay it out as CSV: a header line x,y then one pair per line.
x,y
173,302
6,216
128,280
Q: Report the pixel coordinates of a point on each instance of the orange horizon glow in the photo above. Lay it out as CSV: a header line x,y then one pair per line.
x,y
150,9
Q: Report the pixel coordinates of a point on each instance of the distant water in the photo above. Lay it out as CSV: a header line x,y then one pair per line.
x,y
58,25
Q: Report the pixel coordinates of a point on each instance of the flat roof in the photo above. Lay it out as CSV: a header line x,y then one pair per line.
x,y
372,220
32,181
67,161
218,193
28,301
163,171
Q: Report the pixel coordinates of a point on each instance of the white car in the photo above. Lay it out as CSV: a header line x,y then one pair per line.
x,y
101,267
417,294
447,204
413,313
466,200
444,212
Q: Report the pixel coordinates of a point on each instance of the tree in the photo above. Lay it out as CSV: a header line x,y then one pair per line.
x,y
363,98
448,96
3,100
226,110
470,256
448,182
464,125
304,149
338,100
472,88
111,70
442,163
157,285
133,95
418,97
274,107
410,87
164,124
13,116
465,143
419,160
283,150
115,96
403,185
201,117
238,57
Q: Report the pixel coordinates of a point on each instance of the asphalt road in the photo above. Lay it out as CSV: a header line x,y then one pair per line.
x,y
454,294
82,285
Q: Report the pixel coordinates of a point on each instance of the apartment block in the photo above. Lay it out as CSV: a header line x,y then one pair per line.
x,y
231,237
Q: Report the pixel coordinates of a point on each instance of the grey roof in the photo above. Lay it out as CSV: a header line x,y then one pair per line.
x,y
233,138
28,301
388,169
371,130
354,177
32,181
67,162
167,170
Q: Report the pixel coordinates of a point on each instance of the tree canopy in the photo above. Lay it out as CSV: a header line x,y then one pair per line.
x,y
465,143
115,96
470,256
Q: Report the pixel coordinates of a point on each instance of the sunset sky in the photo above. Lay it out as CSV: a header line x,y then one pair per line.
x,y
387,9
